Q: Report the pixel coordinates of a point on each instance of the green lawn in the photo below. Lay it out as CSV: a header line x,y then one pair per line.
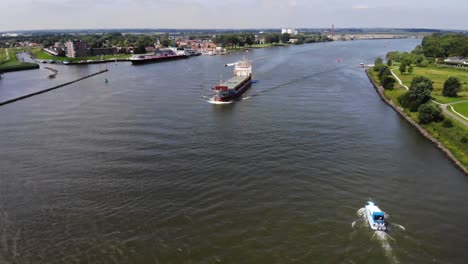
x,y
41,55
461,108
438,75
2,55
449,137
14,65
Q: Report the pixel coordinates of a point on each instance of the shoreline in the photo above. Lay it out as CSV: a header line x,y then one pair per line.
x,y
380,91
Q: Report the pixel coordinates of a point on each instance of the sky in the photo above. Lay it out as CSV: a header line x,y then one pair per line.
x,y
231,14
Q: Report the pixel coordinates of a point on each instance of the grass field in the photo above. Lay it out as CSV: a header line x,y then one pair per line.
x,y
14,65
41,55
462,108
438,75
449,137
2,55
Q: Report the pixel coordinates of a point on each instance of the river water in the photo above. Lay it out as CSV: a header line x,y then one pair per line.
x,y
144,170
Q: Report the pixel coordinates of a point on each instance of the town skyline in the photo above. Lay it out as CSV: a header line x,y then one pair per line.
x,y
243,14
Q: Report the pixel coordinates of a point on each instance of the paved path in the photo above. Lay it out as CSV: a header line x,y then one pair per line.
x,y
457,116
399,81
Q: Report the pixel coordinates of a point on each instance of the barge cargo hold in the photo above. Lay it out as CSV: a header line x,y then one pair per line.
x,y
237,85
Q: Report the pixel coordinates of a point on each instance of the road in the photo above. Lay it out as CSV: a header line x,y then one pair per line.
x,y
457,116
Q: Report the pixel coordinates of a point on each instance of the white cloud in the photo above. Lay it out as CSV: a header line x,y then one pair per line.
x,y
360,6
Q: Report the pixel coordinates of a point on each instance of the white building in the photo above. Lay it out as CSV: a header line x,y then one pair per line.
x,y
291,31
10,35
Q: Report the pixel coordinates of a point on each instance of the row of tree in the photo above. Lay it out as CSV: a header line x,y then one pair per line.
x,y
445,45
247,39
408,59
385,74
235,40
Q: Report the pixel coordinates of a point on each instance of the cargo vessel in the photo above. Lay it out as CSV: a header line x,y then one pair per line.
x,y
237,85
158,56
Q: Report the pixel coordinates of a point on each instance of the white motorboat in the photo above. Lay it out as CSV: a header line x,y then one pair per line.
x,y
375,216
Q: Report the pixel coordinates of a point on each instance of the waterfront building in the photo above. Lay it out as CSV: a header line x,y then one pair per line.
x,y
101,51
76,48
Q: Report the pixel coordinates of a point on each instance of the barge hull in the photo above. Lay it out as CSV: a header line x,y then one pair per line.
x,y
158,59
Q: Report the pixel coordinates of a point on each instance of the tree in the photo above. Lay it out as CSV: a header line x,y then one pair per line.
x,y
451,87
447,123
389,62
139,49
421,79
388,82
250,39
275,38
402,68
418,50
424,63
430,113
410,69
285,37
421,93
378,61
384,71
418,94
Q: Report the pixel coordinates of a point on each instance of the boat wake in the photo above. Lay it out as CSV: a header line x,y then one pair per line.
x,y
293,81
212,101
384,240
382,237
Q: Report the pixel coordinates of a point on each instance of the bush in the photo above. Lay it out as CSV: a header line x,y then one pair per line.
x,y
402,68
388,82
377,67
384,71
424,63
378,61
422,79
451,87
405,99
447,123
430,113
464,139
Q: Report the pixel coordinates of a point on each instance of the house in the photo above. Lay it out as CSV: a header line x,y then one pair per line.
x,y
149,49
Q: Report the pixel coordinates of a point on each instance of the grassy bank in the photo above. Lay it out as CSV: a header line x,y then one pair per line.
x,y
449,137
2,55
461,108
438,75
13,64
42,55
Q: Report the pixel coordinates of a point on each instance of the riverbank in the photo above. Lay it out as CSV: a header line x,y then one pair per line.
x,y
39,54
455,154
9,63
